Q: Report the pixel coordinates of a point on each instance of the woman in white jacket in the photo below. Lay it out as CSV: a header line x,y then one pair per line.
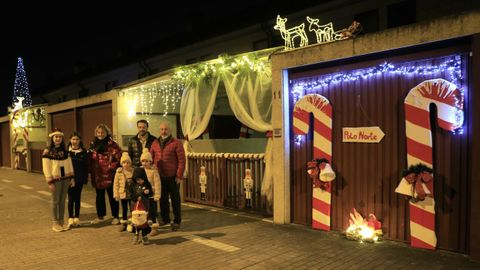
x,y
58,171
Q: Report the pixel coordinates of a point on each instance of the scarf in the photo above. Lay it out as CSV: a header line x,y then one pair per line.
x,y
163,141
100,145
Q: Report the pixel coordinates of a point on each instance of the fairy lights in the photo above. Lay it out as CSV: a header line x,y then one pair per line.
x,y
20,88
451,66
142,98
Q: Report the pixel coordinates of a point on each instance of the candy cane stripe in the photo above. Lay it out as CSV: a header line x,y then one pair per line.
x,y
321,109
417,116
420,151
449,102
423,134
323,130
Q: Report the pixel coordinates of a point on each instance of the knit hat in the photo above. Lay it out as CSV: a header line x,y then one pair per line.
x,y
125,157
139,172
146,155
55,131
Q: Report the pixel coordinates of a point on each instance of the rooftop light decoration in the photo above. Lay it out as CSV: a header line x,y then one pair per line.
x,y
289,35
193,74
325,32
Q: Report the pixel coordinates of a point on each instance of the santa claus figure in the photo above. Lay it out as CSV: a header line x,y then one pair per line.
x,y
140,223
248,188
203,183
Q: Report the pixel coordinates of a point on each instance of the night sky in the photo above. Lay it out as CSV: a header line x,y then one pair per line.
x,y
53,38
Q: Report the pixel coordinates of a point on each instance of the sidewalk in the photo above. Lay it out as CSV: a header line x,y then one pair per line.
x,y
210,238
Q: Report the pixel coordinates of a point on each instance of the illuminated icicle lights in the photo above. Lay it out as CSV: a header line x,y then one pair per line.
x,y
142,98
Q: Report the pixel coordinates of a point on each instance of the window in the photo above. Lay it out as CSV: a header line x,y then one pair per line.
x,y
401,13
369,20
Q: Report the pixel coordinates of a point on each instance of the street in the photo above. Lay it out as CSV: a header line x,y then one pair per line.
x,y
209,238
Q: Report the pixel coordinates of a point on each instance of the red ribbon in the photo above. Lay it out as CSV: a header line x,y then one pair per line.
x,y
416,180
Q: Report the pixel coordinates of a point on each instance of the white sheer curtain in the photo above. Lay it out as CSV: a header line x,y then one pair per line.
x,y
250,98
196,107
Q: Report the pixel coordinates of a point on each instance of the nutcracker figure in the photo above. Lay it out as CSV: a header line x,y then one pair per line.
x,y
248,188
203,183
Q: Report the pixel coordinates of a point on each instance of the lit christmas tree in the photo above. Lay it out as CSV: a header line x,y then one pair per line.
x,y
20,89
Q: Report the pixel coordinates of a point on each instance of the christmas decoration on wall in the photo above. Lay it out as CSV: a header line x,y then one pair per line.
x,y
248,188
321,173
203,183
289,35
321,109
325,32
20,87
141,98
451,65
360,229
418,180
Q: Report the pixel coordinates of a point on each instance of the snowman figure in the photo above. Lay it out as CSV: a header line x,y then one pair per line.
x,y
203,183
248,188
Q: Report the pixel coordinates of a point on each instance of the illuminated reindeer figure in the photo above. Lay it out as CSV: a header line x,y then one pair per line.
x,y
290,34
323,32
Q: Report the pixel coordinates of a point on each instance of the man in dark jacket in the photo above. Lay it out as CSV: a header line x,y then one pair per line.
x,y
169,158
143,139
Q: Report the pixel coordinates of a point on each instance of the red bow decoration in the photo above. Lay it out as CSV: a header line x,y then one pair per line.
x,y
416,176
313,170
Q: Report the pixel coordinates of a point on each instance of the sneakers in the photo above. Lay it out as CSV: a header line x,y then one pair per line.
x,y
145,240
175,226
150,222
57,227
115,221
71,222
76,222
97,220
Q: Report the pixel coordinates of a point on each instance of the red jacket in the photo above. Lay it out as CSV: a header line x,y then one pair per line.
x,y
170,160
104,165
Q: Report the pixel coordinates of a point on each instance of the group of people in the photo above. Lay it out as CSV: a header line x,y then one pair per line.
x,y
148,174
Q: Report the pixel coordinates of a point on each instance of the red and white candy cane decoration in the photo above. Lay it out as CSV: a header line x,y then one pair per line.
x,y
322,148
449,101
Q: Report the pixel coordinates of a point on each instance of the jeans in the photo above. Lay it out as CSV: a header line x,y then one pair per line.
x,y
170,189
58,200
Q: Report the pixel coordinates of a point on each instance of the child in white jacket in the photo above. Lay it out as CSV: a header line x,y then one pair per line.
x,y
154,179
121,183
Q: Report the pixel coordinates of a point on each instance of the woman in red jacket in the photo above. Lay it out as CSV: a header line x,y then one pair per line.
x,y
105,155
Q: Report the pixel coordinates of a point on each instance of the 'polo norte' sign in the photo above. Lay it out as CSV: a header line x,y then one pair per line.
x,y
362,134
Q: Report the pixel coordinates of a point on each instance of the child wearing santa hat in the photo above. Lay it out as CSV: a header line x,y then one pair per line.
x,y
140,193
154,178
58,171
121,183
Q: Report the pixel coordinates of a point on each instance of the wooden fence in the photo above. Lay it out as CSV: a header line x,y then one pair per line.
x,y
225,173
